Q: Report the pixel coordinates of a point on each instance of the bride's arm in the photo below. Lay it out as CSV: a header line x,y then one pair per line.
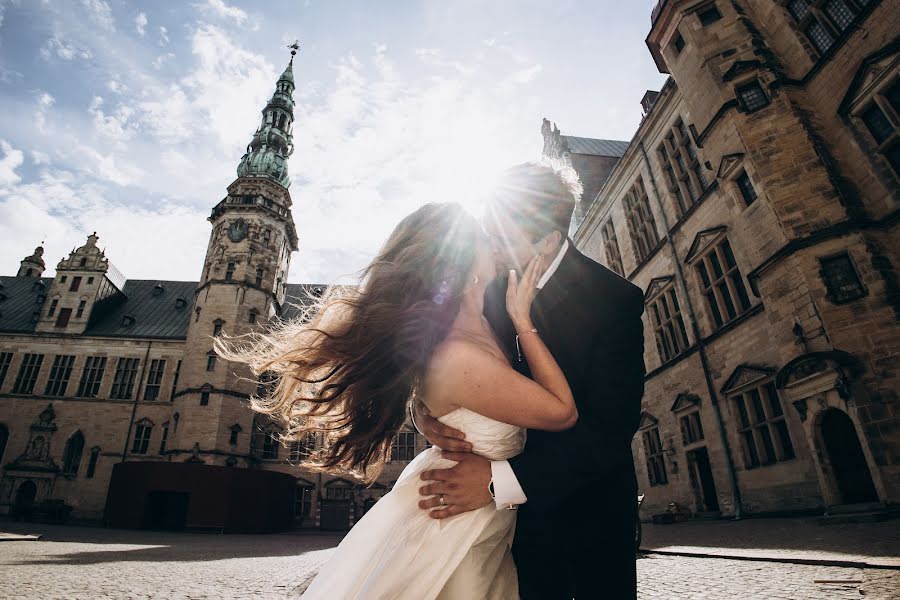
x,y
470,377
464,375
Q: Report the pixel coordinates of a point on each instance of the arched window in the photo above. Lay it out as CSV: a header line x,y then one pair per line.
x,y
72,454
281,121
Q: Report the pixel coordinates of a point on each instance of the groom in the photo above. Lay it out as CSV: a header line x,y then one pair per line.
x,y
575,490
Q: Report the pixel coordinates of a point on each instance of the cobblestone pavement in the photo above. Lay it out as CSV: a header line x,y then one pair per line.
x,y
876,544
70,562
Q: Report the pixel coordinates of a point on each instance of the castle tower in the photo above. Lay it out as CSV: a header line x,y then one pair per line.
x,y
242,283
32,266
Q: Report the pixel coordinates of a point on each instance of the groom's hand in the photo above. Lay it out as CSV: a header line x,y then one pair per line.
x,y
438,434
464,486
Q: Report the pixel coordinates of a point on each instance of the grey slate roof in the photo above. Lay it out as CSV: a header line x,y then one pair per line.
x,y
19,299
582,145
154,312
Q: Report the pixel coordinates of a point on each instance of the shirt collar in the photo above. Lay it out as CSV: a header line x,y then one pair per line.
x,y
553,266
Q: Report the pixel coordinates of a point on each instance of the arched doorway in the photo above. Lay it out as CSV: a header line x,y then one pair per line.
x,y
848,463
24,498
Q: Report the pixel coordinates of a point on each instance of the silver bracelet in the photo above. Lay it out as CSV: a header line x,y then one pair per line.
x,y
518,349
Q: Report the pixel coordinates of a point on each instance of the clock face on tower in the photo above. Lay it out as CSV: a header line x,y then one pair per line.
x,y
237,230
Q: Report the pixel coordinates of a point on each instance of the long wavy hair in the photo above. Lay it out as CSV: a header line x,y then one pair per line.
x,y
349,364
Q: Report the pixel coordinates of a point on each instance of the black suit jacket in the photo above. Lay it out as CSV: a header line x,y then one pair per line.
x,y
590,319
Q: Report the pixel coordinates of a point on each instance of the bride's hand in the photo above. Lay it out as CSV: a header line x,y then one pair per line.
x,y
520,295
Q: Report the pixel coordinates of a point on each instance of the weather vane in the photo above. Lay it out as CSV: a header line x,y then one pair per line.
x,y
294,47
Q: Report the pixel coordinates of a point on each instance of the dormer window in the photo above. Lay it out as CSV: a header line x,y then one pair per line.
x,y
127,320
38,286
180,302
83,262
158,290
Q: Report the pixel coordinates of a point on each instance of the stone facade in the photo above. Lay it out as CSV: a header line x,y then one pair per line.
x,y
97,370
757,205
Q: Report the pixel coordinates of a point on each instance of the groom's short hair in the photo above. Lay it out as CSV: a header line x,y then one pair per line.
x,y
537,198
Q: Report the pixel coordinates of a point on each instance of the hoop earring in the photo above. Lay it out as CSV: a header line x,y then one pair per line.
x,y
475,280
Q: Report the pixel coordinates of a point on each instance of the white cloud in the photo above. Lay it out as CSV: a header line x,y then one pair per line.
x,y
12,160
116,86
162,59
219,9
434,57
140,24
114,127
66,50
44,102
163,36
40,158
100,12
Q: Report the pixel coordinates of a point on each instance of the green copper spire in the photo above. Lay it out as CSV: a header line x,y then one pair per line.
x,y
272,143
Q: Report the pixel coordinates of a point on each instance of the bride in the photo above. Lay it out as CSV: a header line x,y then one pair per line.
x,y
414,329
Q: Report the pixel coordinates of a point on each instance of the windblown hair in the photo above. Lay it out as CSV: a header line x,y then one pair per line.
x,y
351,363
539,197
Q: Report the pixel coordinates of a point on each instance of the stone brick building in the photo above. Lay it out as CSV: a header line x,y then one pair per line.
x,y
112,400
757,206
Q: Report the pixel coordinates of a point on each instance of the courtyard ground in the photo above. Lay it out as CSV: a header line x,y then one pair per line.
x,y
775,558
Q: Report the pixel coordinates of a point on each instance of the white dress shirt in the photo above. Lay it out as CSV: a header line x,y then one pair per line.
x,y
508,491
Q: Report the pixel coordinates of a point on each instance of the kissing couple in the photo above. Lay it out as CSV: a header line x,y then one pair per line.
x,y
489,334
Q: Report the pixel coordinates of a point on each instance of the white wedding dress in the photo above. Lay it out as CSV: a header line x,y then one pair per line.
x,y
397,551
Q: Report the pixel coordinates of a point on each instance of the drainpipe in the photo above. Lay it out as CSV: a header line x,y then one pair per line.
x,y
137,397
701,346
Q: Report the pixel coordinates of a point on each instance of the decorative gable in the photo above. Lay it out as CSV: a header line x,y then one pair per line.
x,y
685,400
872,72
728,166
647,421
745,375
656,285
704,240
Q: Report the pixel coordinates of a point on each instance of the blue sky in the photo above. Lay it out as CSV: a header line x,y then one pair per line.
x,y
129,118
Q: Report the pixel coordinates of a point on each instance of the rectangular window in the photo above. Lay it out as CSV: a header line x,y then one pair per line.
x,y
141,439
229,271
123,382
761,427
63,279
5,360
882,119
708,16
641,225
80,311
259,277
819,36
52,310
611,245
752,97
92,463
210,362
217,327
267,235
60,372
303,501
76,283
745,186
840,13
680,162
62,320
175,381
91,376
841,279
165,437
656,462
90,280
403,446
722,284
28,374
303,448
668,324
154,379
204,398
678,44
270,444
799,8
691,428
877,123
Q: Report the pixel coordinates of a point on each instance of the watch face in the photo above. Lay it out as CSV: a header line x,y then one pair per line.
x,y
238,230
